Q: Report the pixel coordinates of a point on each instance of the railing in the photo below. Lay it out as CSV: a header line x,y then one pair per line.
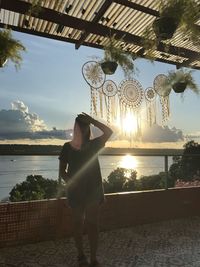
x,y
142,153
33,221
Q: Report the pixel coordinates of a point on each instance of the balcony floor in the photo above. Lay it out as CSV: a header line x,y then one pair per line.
x,y
171,243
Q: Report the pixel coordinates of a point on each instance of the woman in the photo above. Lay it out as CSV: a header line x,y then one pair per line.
x,y
79,168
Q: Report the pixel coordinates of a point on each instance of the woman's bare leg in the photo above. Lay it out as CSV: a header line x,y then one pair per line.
x,y
78,221
91,220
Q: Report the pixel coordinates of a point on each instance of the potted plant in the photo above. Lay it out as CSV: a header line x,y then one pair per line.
x,y
171,13
114,56
182,79
174,14
10,49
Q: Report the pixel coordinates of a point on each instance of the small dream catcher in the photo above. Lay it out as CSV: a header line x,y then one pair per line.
x,y
130,99
110,92
150,96
95,77
163,89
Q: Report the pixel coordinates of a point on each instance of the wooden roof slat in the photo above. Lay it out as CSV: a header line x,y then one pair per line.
x,y
88,25
64,19
98,16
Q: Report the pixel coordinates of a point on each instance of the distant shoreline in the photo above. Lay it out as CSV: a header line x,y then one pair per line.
x,y
54,150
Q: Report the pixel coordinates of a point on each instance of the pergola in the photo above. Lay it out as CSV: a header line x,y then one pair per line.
x,y
90,22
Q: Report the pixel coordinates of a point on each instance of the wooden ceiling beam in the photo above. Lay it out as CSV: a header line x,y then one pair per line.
x,y
96,19
104,8
138,7
73,41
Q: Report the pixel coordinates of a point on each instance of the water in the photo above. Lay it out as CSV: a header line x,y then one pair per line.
x,y
15,169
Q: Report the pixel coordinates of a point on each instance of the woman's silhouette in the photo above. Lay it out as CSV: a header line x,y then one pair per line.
x,y
79,167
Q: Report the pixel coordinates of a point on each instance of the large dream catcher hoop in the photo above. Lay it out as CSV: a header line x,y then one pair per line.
x,y
131,93
95,77
150,97
162,88
130,99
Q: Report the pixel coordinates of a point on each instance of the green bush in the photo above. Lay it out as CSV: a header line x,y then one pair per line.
x,y
119,181
186,166
156,181
33,188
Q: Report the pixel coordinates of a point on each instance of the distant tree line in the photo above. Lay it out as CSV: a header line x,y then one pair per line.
x,y
14,149
184,168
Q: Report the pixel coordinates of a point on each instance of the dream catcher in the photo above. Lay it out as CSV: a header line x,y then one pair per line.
x,y
130,99
110,99
95,77
150,97
163,89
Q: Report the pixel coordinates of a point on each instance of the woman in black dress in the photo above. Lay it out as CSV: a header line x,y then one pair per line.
x,y
79,168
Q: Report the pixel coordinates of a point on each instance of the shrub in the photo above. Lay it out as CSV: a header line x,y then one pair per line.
x,y
118,181
187,166
33,188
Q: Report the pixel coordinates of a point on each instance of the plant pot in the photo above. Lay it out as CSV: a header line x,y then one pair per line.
x,y
179,87
109,67
165,27
3,62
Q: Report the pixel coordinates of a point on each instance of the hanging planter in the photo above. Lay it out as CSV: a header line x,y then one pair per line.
x,y
10,49
181,15
114,56
179,87
181,80
109,67
165,27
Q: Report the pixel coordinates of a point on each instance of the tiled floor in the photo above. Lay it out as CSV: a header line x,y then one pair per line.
x,y
166,244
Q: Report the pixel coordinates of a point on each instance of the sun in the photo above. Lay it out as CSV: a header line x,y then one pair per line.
x,y
129,124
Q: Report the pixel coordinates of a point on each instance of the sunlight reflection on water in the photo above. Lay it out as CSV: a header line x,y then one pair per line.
x,y
128,162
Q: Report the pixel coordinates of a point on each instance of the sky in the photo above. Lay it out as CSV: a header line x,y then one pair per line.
x,y
39,102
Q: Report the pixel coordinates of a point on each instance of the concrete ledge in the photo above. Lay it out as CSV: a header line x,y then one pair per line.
x,y
28,222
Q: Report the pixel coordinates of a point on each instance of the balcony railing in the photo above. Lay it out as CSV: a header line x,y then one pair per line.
x,y
27,222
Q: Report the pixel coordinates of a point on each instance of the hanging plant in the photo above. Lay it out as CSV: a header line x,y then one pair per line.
x,y
10,49
181,79
36,6
174,15
171,14
114,56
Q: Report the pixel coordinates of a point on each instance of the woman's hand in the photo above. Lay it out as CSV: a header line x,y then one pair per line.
x,y
85,118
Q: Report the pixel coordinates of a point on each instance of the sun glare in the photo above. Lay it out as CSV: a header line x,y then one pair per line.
x,y
128,162
130,123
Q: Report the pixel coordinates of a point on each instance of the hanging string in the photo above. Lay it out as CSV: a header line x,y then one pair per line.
x,y
165,109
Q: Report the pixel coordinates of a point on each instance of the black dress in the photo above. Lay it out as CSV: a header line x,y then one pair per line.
x,y
85,184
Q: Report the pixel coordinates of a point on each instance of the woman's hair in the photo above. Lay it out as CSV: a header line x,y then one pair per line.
x,y
85,129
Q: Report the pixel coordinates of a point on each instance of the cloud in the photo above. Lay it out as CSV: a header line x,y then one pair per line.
x,y
19,123
161,134
19,119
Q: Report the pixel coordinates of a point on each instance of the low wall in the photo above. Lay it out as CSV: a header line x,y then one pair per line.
x,y
27,222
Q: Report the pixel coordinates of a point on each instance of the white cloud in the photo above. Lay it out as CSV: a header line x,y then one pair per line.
x,y
160,134
19,119
18,123
19,105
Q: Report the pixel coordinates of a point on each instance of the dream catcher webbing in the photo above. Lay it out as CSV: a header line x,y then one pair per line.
x,y
150,97
130,99
162,88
